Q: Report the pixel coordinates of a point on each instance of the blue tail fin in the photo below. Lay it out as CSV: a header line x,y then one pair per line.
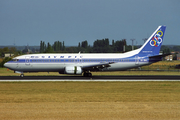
x,y
154,42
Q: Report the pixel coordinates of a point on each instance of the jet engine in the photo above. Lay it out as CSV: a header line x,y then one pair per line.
x,y
73,70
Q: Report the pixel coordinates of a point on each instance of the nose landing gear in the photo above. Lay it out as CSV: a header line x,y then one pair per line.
x,y
20,72
22,75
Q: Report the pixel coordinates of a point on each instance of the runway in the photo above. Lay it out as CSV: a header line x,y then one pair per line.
x,y
93,78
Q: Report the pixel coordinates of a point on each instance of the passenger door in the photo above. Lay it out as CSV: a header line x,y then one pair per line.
x,y
137,60
27,61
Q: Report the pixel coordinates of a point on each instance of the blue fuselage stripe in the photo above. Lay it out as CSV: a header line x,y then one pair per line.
x,y
78,60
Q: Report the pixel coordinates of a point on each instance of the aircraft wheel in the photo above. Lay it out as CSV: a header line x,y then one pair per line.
x,y
22,75
87,74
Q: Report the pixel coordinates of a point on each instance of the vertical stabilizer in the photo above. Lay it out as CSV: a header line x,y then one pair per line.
x,y
154,42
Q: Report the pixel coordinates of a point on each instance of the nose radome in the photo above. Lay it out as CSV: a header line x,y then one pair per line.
x,y
6,65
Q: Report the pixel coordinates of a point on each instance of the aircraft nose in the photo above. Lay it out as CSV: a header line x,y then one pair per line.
x,y
6,65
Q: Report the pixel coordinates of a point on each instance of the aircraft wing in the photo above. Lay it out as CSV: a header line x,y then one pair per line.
x,y
96,67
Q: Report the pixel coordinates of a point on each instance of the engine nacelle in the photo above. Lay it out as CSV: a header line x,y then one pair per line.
x,y
73,70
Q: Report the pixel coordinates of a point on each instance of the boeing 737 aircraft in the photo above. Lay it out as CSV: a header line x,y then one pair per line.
x,y
85,63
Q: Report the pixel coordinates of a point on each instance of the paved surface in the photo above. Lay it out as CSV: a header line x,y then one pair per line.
x,y
144,78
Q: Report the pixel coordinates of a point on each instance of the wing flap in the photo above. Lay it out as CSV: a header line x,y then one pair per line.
x,y
97,67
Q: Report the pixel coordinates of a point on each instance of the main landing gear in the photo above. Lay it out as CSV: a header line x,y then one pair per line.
x,y
87,74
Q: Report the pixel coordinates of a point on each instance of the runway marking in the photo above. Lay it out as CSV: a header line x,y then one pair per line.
x,y
90,80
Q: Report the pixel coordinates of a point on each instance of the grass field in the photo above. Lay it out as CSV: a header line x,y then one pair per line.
x,y
90,100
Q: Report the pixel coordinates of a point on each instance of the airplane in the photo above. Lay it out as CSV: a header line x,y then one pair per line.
x,y
84,63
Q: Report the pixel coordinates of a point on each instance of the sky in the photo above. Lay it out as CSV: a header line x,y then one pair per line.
x,y
25,22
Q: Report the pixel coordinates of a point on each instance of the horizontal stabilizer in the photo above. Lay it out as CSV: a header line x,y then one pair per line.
x,y
159,56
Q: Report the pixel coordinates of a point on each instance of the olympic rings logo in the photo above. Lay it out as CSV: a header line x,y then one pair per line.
x,y
156,40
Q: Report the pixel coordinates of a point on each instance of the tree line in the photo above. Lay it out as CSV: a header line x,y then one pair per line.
x,y
5,50
56,47
99,46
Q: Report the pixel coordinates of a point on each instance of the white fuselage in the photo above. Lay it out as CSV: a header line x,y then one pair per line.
x,y
58,62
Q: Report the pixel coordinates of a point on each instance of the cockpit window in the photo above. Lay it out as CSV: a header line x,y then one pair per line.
x,y
15,60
